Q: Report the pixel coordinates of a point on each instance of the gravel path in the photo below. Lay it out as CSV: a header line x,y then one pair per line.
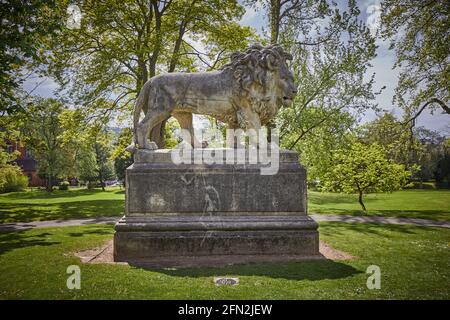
x,y
111,220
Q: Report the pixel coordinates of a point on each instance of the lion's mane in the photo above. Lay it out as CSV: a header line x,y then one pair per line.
x,y
249,70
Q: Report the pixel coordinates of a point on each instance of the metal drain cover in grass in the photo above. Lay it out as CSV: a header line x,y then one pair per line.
x,y
226,281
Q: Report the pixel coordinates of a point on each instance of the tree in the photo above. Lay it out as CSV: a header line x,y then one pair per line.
x,y
442,173
317,148
364,169
120,45
105,168
306,14
122,158
24,25
418,149
400,144
431,153
419,33
121,164
6,134
42,133
11,177
330,66
93,160
87,166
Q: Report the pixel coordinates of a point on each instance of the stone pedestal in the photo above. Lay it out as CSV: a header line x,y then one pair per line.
x,y
224,211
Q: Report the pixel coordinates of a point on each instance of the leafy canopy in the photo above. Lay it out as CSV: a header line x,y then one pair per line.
x,y
364,169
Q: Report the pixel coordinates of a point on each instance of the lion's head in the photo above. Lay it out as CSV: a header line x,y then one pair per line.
x,y
263,80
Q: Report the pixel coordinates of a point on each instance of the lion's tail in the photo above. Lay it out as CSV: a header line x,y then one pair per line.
x,y
141,104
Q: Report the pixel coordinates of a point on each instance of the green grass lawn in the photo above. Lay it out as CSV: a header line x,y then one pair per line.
x,y
76,203
426,204
82,203
414,262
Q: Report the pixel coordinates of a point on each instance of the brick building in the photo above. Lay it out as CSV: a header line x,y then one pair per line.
x,y
28,164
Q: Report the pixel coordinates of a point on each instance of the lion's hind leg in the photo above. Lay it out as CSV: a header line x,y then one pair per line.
x,y
153,118
185,121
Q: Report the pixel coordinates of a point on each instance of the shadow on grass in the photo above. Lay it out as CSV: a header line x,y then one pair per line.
x,y
13,212
383,230
319,198
306,270
96,231
19,239
421,214
42,194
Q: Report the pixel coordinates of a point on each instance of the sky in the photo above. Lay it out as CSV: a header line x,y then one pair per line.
x,y
382,67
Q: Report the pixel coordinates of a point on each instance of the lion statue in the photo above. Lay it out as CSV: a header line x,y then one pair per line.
x,y
246,93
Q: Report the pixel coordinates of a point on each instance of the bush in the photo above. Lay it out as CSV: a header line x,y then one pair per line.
x,y
91,185
12,179
64,185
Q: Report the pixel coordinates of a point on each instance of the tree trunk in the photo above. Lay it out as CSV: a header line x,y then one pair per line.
x,y
176,50
49,186
102,182
275,7
361,200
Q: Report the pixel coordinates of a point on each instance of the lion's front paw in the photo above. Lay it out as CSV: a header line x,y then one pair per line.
x,y
150,145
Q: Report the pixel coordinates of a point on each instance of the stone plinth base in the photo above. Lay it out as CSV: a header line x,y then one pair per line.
x,y
213,210
151,238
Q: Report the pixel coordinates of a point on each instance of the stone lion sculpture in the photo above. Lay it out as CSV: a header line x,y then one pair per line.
x,y
246,93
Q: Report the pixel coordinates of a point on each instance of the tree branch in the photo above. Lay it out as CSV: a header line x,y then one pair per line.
x,y
432,100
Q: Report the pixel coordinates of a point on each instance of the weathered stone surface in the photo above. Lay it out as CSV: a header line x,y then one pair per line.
x,y
215,210
150,238
162,187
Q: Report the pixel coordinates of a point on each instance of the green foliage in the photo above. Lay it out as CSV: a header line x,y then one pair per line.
x,y
42,132
442,173
172,129
121,164
388,132
430,156
419,149
419,33
105,167
364,169
8,133
317,148
120,45
94,163
12,179
330,66
122,158
87,165
25,25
